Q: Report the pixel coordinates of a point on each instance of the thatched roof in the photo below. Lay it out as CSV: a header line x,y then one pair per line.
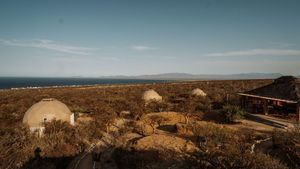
x,y
285,88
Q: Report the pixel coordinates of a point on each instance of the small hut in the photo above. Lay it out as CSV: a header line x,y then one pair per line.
x,y
281,98
45,111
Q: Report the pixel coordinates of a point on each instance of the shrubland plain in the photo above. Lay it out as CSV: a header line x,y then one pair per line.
x,y
180,130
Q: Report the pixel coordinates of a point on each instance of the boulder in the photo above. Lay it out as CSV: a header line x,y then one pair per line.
x,y
143,128
166,118
164,143
181,128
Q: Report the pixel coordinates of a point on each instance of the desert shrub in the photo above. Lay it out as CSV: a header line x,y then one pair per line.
x,y
217,97
16,146
90,132
60,139
212,135
287,146
156,107
232,159
231,113
78,109
203,105
223,148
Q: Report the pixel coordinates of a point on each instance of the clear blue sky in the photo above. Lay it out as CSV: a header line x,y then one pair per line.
x,y
132,37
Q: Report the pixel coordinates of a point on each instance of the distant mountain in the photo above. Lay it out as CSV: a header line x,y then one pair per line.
x,y
186,76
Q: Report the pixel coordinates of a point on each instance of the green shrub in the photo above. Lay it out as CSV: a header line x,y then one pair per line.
x,y
231,113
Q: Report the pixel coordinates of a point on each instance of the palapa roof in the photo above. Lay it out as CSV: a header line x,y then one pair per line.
x,y
285,88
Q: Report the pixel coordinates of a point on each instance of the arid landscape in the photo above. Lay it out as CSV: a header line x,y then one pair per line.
x,y
116,128
149,84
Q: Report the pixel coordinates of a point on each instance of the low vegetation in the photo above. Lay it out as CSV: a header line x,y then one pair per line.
x,y
287,146
232,113
218,147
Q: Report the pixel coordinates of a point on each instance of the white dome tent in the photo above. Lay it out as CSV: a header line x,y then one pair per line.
x,y
45,111
151,95
198,92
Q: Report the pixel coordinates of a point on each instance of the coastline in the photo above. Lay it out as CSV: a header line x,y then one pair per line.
x,y
128,84
84,86
71,83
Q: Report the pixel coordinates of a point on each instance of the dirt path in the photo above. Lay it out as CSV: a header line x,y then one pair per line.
x,y
103,149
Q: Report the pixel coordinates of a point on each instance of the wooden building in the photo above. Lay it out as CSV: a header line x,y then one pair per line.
x,y
280,98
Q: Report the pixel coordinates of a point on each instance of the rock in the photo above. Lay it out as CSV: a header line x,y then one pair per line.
x,y
165,143
190,147
181,128
143,128
129,138
167,118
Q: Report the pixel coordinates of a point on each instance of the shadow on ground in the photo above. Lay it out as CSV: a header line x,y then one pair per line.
x,y
265,121
39,162
168,128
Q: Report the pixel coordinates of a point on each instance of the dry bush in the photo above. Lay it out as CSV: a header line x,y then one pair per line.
x,y
231,113
232,159
60,139
156,107
287,146
222,148
16,146
203,104
210,135
90,132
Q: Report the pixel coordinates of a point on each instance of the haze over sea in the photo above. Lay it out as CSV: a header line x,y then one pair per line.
x,y
34,82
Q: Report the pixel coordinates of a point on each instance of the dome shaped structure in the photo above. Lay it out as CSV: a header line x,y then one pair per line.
x,y
198,92
151,95
45,111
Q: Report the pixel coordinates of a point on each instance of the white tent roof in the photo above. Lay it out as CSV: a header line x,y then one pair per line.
x,y
45,111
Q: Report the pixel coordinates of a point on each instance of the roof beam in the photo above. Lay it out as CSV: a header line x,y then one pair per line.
x,y
269,98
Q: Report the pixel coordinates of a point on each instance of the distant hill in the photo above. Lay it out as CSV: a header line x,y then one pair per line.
x,y
186,76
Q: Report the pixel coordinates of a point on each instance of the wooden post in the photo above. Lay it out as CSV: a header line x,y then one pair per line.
x,y
298,111
265,107
242,102
227,98
246,104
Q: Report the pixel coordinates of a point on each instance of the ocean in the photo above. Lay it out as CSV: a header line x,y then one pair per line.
x,y
36,82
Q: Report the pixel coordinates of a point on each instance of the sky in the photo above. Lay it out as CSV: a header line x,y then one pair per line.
x,y
93,38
